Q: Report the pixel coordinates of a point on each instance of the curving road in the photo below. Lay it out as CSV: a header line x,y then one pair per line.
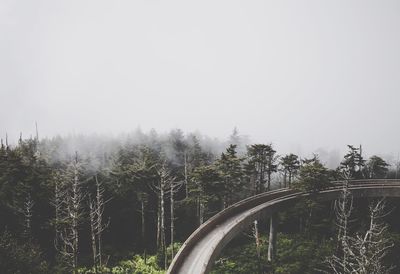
x,y
199,251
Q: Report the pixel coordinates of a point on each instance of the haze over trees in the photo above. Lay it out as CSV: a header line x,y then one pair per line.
x,y
127,205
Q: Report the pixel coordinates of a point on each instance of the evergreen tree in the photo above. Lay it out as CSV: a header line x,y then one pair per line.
x,y
272,165
353,163
194,157
206,189
313,176
260,165
133,173
290,165
230,169
376,168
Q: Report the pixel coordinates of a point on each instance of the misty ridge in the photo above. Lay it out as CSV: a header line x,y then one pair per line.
x,y
99,150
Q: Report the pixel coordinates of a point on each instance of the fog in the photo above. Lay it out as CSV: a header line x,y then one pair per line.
x,y
308,76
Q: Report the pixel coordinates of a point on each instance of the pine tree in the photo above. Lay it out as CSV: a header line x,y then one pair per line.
x,y
353,163
262,163
290,165
231,173
206,188
376,168
313,176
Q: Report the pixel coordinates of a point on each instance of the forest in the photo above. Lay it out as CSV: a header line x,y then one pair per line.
x,y
87,204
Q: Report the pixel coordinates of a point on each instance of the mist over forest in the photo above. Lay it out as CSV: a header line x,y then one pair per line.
x,y
102,204
196,137
100,143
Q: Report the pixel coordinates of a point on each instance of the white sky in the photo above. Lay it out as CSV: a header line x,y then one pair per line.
x,y
300,74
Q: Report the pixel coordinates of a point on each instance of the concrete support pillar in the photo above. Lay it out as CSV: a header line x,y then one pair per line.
x,y
272,237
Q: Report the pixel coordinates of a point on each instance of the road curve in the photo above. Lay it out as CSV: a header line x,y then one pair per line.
x,y
197,254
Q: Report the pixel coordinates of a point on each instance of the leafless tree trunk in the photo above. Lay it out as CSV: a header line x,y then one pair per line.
x,y
343,210
164,184
92,216
61,218
256,235
57,205
96,223
186,176
201,210
26,211
68,205
143,200
200,206
158,225
167,185
75,211
172,220
272,237
224,202
100,227
173,188
76,206
162,220
364,252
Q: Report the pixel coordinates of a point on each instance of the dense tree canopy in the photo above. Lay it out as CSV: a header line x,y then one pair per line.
x,y
313,176
376,167
109,204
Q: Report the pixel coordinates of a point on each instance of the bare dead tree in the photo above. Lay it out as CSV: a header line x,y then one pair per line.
x,y
343,209
272,237
159,223
26,211
93,220
201,205
186,182
364,252
143,197
60,213
68,201
96,207
100,227
164,174
200,201
256,235
76,199
161,188
64,241
373,246
174,187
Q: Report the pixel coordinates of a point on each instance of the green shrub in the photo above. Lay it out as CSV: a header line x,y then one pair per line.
x,y
20,257
137,265
295,254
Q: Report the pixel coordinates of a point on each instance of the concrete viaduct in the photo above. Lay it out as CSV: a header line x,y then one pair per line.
x,y
200,250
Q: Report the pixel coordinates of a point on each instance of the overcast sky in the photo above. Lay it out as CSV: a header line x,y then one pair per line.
x,y
300,74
